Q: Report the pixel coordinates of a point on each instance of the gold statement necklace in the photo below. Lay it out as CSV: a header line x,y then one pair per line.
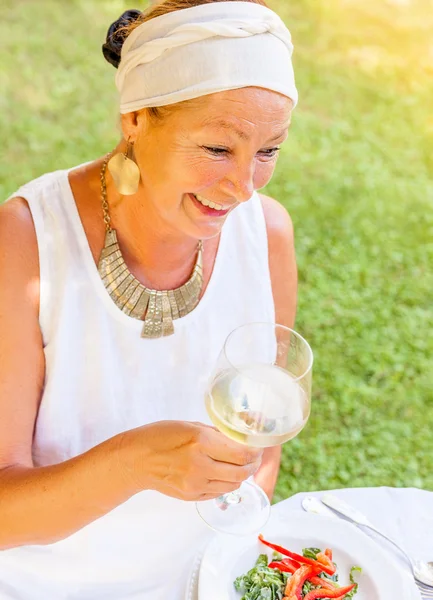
x,y
157,308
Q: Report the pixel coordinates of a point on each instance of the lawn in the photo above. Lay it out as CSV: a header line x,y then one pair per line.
x,y
356,176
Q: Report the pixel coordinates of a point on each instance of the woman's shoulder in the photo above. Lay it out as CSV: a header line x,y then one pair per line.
x,y
17,228
15,219
282,259
19,203
279,224
50,181
18,246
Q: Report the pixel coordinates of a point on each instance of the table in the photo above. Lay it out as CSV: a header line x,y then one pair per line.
x,y
403,514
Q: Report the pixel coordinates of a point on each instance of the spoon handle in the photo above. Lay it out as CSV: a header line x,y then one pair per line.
x,y
357,517
345,509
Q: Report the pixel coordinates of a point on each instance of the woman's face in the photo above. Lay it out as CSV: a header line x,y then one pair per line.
x,y
216,151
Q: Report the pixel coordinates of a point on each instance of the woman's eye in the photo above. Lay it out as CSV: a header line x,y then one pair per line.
x,y
215,151
270,153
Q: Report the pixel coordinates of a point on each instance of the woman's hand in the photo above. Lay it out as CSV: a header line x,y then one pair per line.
x,y
189,461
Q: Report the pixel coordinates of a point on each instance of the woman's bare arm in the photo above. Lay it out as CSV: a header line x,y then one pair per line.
x,y
41,505
37,505
284,279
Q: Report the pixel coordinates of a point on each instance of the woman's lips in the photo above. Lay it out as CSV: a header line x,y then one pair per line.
x,y
207,210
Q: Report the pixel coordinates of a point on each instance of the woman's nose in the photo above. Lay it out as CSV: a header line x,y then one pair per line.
x,y
239,182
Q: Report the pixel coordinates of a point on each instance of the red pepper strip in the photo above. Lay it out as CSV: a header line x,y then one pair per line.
x,y
327,562
282,567
296,582
328,553
323,582
293,563
298,557
335,593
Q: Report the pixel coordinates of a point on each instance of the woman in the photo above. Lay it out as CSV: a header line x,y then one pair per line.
x,y
104,439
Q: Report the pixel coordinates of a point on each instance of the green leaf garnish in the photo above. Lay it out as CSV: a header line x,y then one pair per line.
x,y
311,552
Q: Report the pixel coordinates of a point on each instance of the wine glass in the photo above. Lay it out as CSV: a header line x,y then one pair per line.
x,y
259,395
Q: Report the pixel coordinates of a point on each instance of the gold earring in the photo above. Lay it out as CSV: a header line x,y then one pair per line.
x,y
124,171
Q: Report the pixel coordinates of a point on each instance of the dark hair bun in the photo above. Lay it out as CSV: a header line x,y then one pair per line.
x,y
116,35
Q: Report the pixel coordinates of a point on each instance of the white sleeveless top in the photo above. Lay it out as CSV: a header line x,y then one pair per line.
x,y
102,378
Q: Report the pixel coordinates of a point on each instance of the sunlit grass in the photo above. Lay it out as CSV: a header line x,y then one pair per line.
x,y
356,176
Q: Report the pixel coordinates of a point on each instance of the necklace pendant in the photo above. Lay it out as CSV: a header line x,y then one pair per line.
x,y
167,317
151,330
152,327
159,318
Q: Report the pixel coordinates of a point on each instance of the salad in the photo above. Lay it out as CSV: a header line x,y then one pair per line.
x,y
291,576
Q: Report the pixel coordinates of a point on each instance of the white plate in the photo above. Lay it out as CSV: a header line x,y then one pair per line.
x,y
227,557
191,592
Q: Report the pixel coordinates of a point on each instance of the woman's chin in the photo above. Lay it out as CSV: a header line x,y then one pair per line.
x,y
204,226
206,231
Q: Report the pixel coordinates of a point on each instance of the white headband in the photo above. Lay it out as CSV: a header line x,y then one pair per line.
x,y
205,49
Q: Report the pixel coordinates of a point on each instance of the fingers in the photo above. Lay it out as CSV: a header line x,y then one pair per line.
x,y
222,449
242,457
232,473
207,497
192,461
203,491
218,488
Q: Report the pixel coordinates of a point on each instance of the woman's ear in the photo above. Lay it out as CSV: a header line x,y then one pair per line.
x,y
134,124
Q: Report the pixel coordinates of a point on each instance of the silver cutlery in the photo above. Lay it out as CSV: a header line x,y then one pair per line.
x,y
422,571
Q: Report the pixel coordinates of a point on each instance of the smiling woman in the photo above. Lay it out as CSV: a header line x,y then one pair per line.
x,y
203,159
163,237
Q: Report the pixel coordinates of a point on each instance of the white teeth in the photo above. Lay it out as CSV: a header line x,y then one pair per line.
x,y
209,203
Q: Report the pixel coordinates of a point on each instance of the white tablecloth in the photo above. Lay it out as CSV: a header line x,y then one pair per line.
x,y
405,515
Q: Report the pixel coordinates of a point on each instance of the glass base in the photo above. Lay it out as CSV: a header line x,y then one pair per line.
x,y
242,512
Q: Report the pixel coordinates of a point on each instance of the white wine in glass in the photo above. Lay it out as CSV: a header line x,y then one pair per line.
x,y
260,396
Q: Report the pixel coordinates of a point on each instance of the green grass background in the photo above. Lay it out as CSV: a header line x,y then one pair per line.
x,y
355,174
